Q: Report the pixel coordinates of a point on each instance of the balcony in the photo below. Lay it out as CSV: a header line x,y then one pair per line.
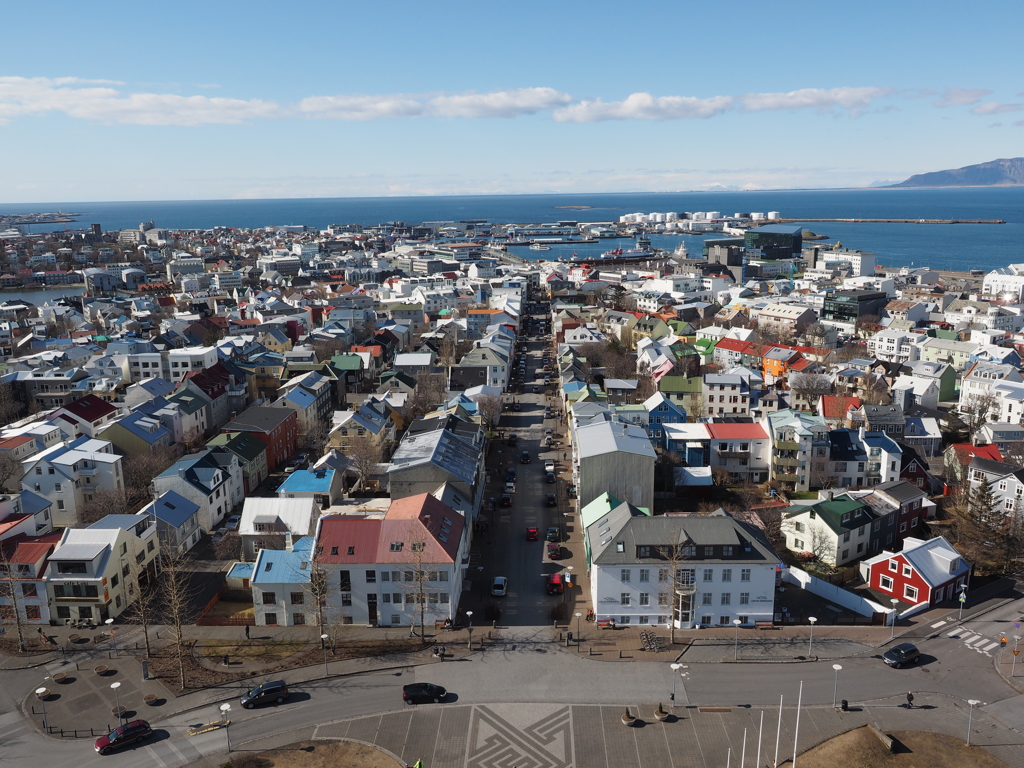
x,y
785,477
785,462
88,472
725,453
787,445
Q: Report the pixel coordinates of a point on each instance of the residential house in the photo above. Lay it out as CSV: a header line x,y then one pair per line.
x,y
614,458
910,391
429,458
269,523
924,572
88,416
177,522
280,584
979,381
1005,481
744,450
858,458
137,433
1007,436
727,394
481,365
69,475
799,448
660,411
900,508
787,321
277,428
200,478
251,453
835,409
941,372
322,484
27,557
957,459
923,434
879,418
620,390
835,530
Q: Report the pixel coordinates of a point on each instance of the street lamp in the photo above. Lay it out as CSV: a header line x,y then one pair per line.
x,y
569,579
736,643
323,643
117,701
469,616
578,614
970,718
41,694
963,599
224,709
835,688
675,668
810,643
894,602
108,622
1013,666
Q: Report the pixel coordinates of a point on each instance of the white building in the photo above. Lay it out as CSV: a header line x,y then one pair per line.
x,y
69,475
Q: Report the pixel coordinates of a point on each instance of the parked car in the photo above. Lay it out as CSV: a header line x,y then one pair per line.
x,y
536,390
904,653
555,584
232,523
219,534
549,477
513,439
554,551
510,474
549,466
510,487
122,736
532,534
272,690
415,693
499,586
517,407
552,534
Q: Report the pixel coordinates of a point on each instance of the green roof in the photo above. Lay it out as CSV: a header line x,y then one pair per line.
x,y
597,509
347,362
691,385
831,512
243,444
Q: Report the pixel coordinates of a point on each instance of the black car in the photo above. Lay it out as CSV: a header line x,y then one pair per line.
x,y
904,653
517,407
414,693
550,477
272,690
506,499
123,735
552,534
510,474
524,458
551,500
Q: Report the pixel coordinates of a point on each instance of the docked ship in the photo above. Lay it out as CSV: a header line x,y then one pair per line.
x,y
540,247
642,250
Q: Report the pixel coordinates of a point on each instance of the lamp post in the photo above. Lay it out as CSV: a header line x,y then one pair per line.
x,y
41,695
675,668
970,718
835,688
796,731
117,701
736,642
963,599
894,602
578,614
565,596
224,709
1013,666
110,629
323,644
810,642
469,628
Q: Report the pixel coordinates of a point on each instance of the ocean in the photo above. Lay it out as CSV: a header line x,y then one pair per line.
x,y
959,246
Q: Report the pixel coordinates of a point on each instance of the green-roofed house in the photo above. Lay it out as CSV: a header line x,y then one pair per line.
x,y
251,453
351,366
686,391
835,530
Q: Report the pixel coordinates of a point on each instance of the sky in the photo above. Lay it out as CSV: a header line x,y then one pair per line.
x,y
220,99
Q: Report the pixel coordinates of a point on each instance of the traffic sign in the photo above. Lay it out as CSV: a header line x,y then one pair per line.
x,y
1016,653
1016,624
963,598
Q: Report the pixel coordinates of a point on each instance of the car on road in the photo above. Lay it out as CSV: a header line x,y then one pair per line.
x,y
536,390
549,466
510,487
547,413
551,500
548,432
517,407
556,585
549,477
904,653
532,534
416,693
271,691
506,499
552,534
510,474
513,439
554,551
232,523
524,457
499,587
122,736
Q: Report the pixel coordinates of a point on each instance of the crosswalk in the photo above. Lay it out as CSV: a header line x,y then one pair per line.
x,y
973,640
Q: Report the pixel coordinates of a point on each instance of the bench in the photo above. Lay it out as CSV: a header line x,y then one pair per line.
x,y
886,740
765,624
605,624
439,624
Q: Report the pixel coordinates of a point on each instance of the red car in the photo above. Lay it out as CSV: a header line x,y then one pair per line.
x,y
554,551
555,584
129,733
531,534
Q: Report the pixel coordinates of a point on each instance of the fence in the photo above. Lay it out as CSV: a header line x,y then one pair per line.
x,y
837,595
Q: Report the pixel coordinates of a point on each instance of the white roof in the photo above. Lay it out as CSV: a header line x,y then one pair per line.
x,y
294,514
609,437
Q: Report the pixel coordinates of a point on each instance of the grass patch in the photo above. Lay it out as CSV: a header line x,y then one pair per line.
x,y
913,749
317,754
253,650
223,609
802,495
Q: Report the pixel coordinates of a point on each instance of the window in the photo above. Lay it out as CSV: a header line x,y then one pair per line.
x,y
727,574
269,598
885,583
894,566
270,619
662,599
645,598
726,598
298,619
149,547
645,575
744,574
63,612
297,598
334,550
846,537
344,581
32,612
60,503
624,575
907,570
663,574
877,524
396,598
624,598
846,554
28,590
709,574
705,598
371,577
727,551
800,527
346,599
909,592
723,620
903,527
744,598
709,551
644,551
386,597
56,487
798,543
860,547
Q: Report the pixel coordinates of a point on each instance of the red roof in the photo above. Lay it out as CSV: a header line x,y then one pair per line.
x,y
89,408
10,443
23,550
736,431
341,534
835,407
735,345
420,518
965,452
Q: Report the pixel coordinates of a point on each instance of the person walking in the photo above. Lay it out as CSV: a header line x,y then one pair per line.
x,y
246,631
910,700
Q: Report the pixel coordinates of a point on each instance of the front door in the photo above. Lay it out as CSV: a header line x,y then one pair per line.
x,y
371,607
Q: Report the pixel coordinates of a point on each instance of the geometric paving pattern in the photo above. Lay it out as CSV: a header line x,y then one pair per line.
x,y
535,737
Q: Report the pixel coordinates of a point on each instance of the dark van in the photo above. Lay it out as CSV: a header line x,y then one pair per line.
x,y
272,690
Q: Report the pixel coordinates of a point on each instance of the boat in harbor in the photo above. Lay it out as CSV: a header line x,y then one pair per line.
x,y
540,247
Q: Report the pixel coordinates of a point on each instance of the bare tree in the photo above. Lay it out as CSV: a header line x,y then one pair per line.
x,y
139,469
676,582
9,589
867,326
317,588
10,408
720,475
144,608
315,441
645,386
104,501
489,408
325,349
877,393
811,387
193,440
10,469
428,395
769,519
978,409
176,603
365,453
229,547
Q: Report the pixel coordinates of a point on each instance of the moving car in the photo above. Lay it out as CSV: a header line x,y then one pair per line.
x,y
506,499
122,736
904,653
272,690
510,475
499,586
555,584
517,407
549,466
415,693
532,534
552,534
536,390
549,477
524,457
551,500
513,439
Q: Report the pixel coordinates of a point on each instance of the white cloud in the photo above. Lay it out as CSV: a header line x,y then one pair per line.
x,y
822,99
995,108
521,101
361,107
644,106
87,100
954,97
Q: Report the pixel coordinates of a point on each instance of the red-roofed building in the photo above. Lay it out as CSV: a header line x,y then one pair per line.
x,y
88,415
27,557
958,457
743,449
834,409
402,569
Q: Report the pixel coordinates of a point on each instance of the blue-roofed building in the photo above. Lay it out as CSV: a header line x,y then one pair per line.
x,y
240,576
137,433
177,522
305,406
280,585
322,485
214,485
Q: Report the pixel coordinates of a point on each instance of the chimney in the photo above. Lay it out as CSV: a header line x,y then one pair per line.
x,y
289,545
830,495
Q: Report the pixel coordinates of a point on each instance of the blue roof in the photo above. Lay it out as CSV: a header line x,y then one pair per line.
x,y
276,566
241,571
33,503
308,481
300,397
172,508
131,423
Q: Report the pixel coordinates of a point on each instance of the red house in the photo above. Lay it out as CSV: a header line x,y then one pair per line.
x,y
277,428
924,572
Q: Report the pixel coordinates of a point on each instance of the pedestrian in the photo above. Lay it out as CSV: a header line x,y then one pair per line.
x,y
910,700
246,631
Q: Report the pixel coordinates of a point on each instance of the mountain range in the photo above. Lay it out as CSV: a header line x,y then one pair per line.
x,y
1005,172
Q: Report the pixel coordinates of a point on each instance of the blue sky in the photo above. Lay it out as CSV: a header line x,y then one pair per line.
x,y
209,100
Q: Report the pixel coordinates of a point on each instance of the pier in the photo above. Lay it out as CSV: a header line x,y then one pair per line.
x,y
893,221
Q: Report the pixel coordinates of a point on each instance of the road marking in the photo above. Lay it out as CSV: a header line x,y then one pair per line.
x,y
954,633
989,647
973,640
938,624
